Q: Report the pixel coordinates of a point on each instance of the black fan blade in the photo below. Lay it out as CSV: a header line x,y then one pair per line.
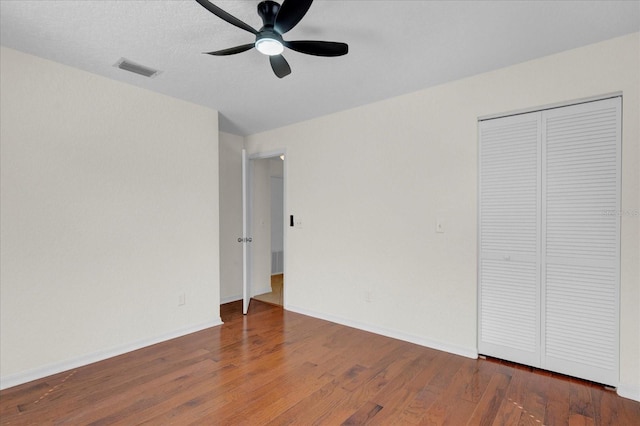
x,y
318,48
290,13
232,50
280,65
226,16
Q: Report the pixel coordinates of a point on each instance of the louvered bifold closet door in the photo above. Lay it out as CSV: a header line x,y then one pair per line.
x,y
509,263
580,235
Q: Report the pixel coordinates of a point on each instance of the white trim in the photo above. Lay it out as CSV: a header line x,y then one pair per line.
x,y
478,237
230,299
551,106
246,262
467,352
285,227
48,370
268,154
629,391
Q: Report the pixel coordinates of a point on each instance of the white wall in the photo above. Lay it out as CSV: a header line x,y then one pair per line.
x,y
395,166
230,163
109,212
261,227
277,224
276,174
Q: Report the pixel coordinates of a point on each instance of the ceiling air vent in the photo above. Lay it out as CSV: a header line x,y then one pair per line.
x,y
127,65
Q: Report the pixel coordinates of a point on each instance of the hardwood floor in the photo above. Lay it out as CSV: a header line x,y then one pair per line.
x,y
277,367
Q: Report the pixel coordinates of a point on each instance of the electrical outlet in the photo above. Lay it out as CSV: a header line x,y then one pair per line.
x,y
181,299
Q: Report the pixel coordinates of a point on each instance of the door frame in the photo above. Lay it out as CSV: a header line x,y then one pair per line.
x,y
248,191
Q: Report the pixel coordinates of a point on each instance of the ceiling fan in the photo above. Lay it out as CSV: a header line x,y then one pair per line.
x,y
276,19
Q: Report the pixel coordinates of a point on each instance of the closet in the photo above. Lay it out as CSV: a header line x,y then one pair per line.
x,y
549,239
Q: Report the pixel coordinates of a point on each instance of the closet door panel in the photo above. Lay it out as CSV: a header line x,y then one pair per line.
x,y
508,272
581,324
509,321
580,240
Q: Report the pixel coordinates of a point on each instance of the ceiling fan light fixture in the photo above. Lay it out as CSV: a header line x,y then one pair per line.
x,y
269,46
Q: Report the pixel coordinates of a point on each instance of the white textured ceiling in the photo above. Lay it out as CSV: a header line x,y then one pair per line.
x,y
395,47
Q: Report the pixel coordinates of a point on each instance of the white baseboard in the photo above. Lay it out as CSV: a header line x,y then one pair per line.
x,y
48,370
229,299
262,290
441,346
629,391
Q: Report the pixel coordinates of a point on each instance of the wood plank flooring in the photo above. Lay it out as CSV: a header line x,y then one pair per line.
x,y
276,367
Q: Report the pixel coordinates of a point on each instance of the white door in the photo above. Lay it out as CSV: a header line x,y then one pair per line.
x,y
509,263
549,239
246,240
581,240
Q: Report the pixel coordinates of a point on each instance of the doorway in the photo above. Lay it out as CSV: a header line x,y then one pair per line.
x,y
265,217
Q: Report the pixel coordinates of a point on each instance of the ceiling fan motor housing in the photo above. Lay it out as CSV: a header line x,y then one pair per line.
x,y
268,10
